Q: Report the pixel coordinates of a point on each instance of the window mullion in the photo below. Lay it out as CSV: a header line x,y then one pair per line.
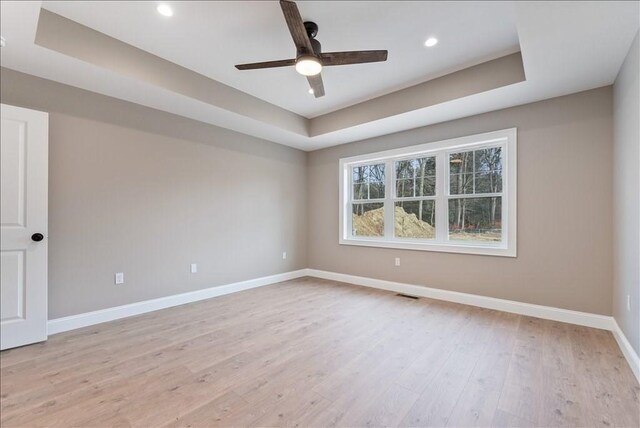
x,y
348,216
413,168
389,177
442,185
473,171
505,194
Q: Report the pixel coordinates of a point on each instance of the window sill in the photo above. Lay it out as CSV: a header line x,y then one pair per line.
x,y
459,248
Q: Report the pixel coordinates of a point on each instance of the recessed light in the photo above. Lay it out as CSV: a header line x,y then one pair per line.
x,y
431,41
311,91
165,10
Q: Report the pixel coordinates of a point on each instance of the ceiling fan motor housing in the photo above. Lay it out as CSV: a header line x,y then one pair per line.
x,y
312,32
312,29
317,49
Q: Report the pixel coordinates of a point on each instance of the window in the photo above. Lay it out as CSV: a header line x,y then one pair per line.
x,y
368,190
457,195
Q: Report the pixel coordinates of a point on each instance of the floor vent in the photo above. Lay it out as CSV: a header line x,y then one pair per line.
x,y
407,296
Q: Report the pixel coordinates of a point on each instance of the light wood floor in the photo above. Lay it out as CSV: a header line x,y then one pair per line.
x,y
318,353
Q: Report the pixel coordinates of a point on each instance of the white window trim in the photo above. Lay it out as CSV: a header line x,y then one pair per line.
x,y
507,248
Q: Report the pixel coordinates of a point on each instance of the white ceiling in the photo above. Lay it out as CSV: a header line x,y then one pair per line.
x,y
566,47
211,37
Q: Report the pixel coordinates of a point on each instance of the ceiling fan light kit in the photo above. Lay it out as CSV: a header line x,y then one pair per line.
x,y
308,65
309,57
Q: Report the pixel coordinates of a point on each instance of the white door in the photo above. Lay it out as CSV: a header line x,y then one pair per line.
x,y
23,223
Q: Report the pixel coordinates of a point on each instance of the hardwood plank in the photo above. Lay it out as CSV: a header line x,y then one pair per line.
x,y
438,400
210,413
523,391
502,419
562,404
387,410
478,402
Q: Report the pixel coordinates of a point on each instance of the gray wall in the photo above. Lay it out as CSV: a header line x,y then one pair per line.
x,y
626,195
564,209
146,193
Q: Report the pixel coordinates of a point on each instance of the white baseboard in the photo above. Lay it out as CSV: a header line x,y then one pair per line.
x,y
629,353
73,322
539,311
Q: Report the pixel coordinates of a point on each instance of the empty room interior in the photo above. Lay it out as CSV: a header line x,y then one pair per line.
x,y
320,213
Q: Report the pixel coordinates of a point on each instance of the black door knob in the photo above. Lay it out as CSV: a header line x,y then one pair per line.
x,y
37,237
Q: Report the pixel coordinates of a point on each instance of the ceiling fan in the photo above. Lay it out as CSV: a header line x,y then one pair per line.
x,y
309,58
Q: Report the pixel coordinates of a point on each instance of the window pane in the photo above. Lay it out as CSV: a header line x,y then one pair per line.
x,y
460,184
368,182
404,169
489,182
489,159
426,186
475,219
376,190
426,167
426,177
461,162
478,171
359,174
415,177
404,188
376,173
376,181
368,219
488,170
359,191
415,219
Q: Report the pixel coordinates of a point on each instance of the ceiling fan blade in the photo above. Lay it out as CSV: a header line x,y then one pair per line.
x,y
352,57
296,26
266,64
316,84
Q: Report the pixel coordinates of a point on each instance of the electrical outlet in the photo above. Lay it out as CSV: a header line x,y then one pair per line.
x,y
284,255
194,268
397,261
119,278
628,303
